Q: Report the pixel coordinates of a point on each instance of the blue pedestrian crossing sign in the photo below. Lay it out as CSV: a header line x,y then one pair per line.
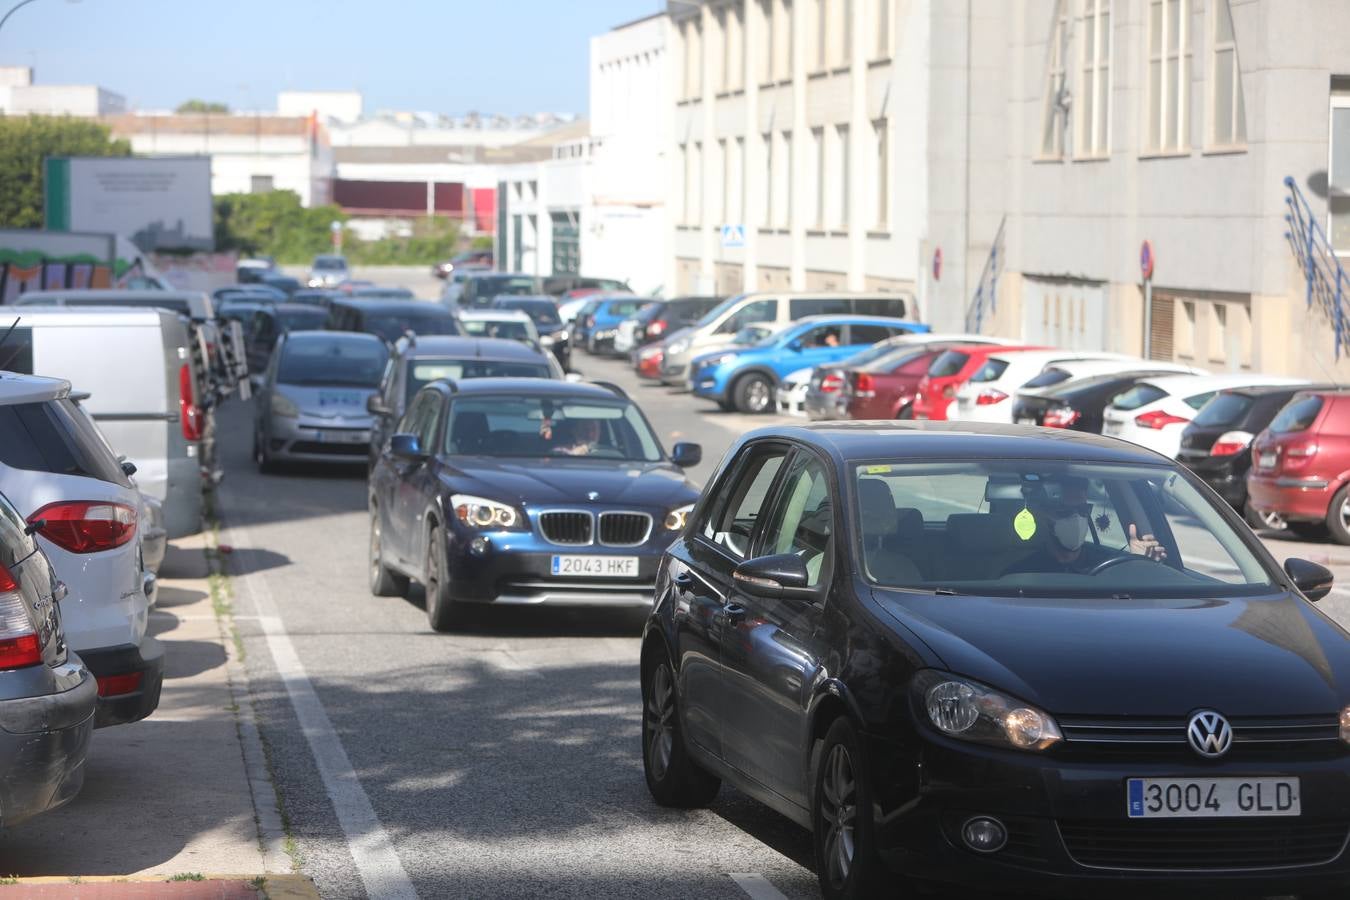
x,y
733,236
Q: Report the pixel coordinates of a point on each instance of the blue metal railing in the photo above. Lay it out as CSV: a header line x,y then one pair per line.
x,y
1325,280
986,289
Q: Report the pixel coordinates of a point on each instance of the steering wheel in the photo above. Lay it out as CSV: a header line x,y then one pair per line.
x,y
1115,561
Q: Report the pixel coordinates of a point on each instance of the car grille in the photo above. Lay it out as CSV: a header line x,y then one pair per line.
x,y
624,529
1228,845
1288,737
566,527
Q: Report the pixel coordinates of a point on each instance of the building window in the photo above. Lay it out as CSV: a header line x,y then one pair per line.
x,y
842,161
1228,117
820,27
1338,166
881,24
735,49
693,60
260,184
1095,90
783,181
1055,116
1218,332
818,164
770,32
694,184
683,151
723,169
736,182
1169,75
769,183
882,176
782,41
838,37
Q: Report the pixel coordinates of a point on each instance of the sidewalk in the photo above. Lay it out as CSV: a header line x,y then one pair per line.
x,y
167,796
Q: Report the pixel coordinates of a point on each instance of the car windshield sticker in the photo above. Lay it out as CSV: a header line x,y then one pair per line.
x,y
1024,523
877,470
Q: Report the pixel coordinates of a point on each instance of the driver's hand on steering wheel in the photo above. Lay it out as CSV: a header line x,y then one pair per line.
x,y
1146,545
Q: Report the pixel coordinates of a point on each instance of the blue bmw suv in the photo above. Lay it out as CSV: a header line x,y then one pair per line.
x,y
524,491
744,378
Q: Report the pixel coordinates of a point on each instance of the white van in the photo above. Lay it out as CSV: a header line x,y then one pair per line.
x,y
773,310
138,368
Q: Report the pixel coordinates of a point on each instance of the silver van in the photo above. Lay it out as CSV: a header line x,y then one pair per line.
x,y
772,310
138,368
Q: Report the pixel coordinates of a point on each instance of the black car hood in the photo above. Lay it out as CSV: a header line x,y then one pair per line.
x,y
1274,655
550,481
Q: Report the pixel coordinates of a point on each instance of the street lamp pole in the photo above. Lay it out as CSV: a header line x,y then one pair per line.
x,y
12,10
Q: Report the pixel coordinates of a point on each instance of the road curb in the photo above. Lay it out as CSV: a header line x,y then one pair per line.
x,y
273,887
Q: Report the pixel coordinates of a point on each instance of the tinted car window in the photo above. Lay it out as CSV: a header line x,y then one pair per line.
x,y
1224,409
992,370
542,312
507,330
301,320
869,334
355,363
1299,415
801,307
550,427
948,364
422,371
493,285
391,326
756,311
731,522
803,519
1197,401
329,263
1137,396
623,307
55,437
1048,378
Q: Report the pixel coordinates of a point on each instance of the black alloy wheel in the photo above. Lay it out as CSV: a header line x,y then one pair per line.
x,y
443,612
847,863
383,581
672,777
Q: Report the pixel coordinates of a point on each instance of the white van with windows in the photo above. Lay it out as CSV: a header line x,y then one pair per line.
x,y
770,311
139,370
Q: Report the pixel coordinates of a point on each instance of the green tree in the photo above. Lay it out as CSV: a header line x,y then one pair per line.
x,y
26,142
201,106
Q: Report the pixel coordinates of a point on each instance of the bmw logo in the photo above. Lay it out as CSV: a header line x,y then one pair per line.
x,y
593,495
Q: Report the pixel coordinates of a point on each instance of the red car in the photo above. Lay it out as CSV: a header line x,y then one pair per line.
x,y
1301,465
885,388
937,390
649,362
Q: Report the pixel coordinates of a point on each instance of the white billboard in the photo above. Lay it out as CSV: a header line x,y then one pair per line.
x,y
159,202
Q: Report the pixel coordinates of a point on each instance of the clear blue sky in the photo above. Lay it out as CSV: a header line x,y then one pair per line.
x,y
452,56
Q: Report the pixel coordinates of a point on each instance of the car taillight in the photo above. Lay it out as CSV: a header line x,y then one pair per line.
x,y
989,396
19,644
1231,443
864,385
1158,420
1061,417
830,383
86,526
656,328
189,415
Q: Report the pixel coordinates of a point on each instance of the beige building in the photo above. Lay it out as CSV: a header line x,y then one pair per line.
x,y
791,166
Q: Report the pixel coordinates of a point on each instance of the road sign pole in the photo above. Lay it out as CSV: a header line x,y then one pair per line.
x,y
1148,318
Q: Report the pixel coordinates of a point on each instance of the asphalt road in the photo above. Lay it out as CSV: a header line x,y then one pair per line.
x,y
501,762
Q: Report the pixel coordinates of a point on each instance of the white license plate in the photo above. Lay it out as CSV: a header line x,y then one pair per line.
x,y
1025,420
596,566
342,437
1266,460
1211,798
1109,427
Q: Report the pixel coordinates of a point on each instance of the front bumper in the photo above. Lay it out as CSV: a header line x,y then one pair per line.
x,y
111,663
1296,499
318,440
44,742
791,401
1069,834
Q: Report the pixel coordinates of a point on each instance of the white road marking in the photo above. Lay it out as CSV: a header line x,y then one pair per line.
x,y
380,869
757,886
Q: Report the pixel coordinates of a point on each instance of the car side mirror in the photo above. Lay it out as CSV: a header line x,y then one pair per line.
x,y
376,406
407,447
780,575
1313,580
128,468
795,346
686,454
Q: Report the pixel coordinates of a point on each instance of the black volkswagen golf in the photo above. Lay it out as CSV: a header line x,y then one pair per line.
x,y
1000,657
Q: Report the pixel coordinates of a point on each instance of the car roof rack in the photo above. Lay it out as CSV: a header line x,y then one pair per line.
x,y
612,387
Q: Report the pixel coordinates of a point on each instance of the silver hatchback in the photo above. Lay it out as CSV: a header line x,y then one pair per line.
x,y
312,403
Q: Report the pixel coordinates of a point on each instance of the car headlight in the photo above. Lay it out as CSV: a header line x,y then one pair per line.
x,y
478,512
722,359
970,711
677,518
284,407
677,348
1345,725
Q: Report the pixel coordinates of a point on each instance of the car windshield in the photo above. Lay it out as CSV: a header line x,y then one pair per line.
x,y
301,319
1048,528
493,285
556,427
391,326
316,361
1049,377
715,313
387,293
948,364
542,312
329,264
1223,409
423,371
509,329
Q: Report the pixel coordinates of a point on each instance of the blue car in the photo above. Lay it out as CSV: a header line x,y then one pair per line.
x,y
598,322
744,378
524,491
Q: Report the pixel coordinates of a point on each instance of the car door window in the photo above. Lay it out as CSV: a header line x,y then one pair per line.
x,y
821,336
802,520
414,419
870,334
428,422
802,307
731,521
749,314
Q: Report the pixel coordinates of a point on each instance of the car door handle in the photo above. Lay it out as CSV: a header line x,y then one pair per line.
x,y
682,580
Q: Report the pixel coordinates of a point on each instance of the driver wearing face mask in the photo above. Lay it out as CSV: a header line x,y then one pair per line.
x,y
1066,545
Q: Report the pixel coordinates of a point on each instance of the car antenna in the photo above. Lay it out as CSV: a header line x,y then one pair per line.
x,y
5,337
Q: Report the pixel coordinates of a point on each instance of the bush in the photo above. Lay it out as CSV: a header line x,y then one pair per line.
x,y
25,142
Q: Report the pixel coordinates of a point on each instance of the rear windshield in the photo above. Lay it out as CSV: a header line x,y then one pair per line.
x,y
1048,378
54,436
302,319
330,263
1137,396
421,371
623,307
1197,401
507,330
323,362
1223,410
391,326
992,370
948,364
1299,415
541,313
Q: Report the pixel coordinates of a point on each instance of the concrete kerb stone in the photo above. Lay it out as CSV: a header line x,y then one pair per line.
x,y
289,886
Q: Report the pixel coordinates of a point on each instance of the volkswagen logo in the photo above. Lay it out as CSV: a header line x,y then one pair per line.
x,y
1210,734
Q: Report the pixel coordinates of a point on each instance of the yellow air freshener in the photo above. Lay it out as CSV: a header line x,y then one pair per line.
x,y
1024,523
